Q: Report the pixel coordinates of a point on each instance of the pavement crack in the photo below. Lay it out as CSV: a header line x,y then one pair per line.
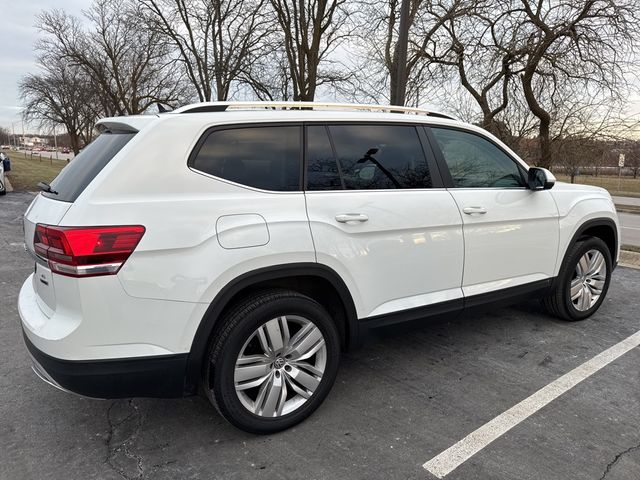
x,y
607,470
125,422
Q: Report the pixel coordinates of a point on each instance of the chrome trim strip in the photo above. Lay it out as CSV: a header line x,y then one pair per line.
x,y
37,258
104,268
44,376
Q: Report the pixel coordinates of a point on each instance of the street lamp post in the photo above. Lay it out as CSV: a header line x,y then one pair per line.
x,y
401,51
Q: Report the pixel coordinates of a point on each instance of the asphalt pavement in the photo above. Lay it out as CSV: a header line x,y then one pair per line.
x,y
403,398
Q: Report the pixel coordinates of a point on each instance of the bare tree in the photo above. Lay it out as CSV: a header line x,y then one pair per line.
x,y
61,95
377,45
128,64
586,125
216,40
310,31
5,136
576,153
428,42
485,57
269,76
588,43
634,158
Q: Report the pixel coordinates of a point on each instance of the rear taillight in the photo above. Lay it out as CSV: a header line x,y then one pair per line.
x,y
86,251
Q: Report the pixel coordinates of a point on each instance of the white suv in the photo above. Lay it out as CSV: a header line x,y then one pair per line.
x,y
237,249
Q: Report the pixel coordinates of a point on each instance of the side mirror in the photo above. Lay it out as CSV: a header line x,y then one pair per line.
x,y
540,179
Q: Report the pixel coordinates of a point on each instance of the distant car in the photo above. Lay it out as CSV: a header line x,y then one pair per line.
x,y
4,166
66,150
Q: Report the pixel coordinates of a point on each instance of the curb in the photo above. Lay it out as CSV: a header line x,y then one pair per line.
x,y
629,259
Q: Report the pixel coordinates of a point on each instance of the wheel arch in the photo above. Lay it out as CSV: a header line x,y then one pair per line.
x,y
318,281
603,228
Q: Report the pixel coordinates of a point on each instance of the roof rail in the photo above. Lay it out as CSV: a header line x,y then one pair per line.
x,y
224,106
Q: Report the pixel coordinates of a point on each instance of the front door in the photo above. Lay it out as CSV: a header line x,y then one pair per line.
x,y
510,232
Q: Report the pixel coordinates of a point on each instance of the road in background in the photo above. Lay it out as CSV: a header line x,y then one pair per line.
x,y
47,155
626,201
630,226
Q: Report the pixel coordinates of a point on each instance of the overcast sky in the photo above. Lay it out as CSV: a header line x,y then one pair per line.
x,y
17,37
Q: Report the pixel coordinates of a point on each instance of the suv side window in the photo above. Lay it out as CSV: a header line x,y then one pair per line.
x,y
362,157
475,162
262,157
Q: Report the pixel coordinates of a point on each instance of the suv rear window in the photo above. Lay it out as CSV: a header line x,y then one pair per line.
x,y
75,177
262,157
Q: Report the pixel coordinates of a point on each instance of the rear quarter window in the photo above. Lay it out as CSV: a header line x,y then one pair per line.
x,y
266,157
76,176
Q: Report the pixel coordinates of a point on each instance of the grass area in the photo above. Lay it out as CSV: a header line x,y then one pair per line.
x,y
27,171
631,248
624,187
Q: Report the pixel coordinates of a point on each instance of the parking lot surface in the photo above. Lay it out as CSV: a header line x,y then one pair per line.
x,y
403,398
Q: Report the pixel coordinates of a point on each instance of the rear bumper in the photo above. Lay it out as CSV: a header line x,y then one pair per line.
x,y
159,377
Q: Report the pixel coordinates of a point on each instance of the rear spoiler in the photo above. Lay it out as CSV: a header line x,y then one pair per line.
x,y
128,124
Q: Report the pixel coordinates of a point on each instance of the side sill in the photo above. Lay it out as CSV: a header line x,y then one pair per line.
x,y
507,296
434,311
451,308
156,377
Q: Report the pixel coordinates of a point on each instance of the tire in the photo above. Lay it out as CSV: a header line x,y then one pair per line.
x,y
253,333
586,285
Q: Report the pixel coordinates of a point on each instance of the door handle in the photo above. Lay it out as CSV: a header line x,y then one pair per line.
x,y
351,217
474,210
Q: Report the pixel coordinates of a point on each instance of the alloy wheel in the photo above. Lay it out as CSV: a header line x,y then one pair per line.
x,y
280,366
588,280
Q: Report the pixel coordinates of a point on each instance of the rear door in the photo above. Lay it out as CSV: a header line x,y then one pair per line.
x,y
510,232
380,217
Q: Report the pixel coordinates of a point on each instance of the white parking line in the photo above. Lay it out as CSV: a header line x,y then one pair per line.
x,y
454,456
632,228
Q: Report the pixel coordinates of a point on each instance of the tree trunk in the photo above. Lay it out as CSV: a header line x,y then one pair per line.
x,y
74,141
545,144
543,116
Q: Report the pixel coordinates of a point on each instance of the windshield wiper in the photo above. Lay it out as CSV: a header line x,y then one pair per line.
x,y
45,187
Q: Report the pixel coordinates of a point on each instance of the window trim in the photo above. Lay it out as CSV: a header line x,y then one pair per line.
x,y
428,152
234,126
444,168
